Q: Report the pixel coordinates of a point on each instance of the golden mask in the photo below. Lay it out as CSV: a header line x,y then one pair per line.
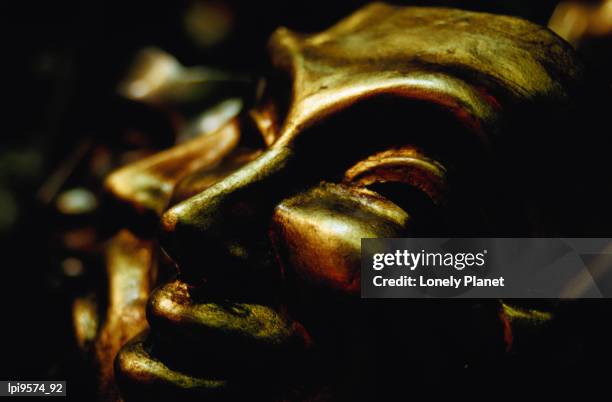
x,y
395,121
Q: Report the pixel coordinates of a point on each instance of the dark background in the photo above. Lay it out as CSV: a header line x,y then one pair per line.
x,y
61,63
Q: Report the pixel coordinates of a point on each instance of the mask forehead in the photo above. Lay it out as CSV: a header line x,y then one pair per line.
x,y
471,64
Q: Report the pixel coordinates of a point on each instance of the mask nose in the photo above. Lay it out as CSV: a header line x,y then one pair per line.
x,y
218,232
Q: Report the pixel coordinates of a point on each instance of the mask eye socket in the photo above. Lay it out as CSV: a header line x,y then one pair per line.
x,y
409,179
403,165
318,233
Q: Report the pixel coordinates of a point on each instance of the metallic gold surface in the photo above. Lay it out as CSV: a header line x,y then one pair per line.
x,y
147,185
129,269
532,315
158,381
405,165
449,57
206,177
251,230
319,232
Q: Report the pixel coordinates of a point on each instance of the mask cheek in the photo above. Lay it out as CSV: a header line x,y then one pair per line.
x,y
317,235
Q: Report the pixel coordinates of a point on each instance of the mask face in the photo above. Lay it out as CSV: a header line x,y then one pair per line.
x,y
388,124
